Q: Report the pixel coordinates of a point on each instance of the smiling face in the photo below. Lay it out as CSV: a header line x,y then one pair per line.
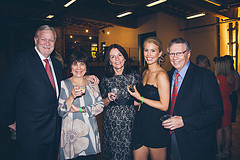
x,y
116,59
151,53
180,60
78,69
45,42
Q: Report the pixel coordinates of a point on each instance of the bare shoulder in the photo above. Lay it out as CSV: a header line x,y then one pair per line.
x,y
162,76
162,73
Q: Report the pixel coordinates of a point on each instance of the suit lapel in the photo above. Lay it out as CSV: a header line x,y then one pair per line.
x,y
57,72
170,74
184,86
40,68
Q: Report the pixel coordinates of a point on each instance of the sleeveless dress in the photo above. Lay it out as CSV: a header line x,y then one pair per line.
x,y
226,90
148,130
118,119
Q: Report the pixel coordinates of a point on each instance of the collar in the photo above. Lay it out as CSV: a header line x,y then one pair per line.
x,y
41,56
183,70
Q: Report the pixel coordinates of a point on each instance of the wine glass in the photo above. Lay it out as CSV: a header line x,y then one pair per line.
x,y
116,92
133,83
165,117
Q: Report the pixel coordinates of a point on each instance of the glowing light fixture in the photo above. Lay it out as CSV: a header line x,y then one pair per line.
x,y
213,2
86,30
69,3
70,36
90,37
50,16
108,32
196,15
124,14
155,3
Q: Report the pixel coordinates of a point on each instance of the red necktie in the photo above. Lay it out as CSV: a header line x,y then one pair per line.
x,y
174,95
49,72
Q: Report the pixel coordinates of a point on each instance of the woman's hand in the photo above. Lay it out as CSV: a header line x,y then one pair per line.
x,y
135,94
112,96
13,126
77,109
76,92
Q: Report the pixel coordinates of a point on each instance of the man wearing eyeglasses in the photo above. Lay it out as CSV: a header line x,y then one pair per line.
x,y
195,106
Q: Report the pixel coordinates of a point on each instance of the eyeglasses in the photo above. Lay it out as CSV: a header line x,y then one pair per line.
x,y
177,53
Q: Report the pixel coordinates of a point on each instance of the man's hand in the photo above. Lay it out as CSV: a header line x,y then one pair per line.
x,y
173,123
13,126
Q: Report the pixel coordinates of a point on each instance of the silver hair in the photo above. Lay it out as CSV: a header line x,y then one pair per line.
x,y
179,40
46,27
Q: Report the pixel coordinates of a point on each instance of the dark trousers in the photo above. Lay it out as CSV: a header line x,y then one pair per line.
x,y
174,153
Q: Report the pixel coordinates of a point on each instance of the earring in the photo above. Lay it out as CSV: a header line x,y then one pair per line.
x,y
110,63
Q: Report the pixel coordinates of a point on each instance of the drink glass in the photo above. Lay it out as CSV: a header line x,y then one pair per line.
x,y
116,92
83,90
80,89
165,117
133,83
131,88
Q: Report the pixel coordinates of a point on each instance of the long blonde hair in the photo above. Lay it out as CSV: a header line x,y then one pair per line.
x,y
223,67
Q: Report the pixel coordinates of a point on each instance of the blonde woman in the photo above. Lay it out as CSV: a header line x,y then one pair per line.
x,y
150,137
226,83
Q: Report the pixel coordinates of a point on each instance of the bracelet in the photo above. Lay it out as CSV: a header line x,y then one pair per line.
x,y
142,100
80,110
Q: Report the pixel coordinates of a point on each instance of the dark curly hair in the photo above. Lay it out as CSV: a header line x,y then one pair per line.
x,y
79,56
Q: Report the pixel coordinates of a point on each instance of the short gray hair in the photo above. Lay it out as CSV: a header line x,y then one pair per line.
x,y
46,27
179,40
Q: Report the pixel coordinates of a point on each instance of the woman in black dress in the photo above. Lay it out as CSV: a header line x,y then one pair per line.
x,y
150,137
119,111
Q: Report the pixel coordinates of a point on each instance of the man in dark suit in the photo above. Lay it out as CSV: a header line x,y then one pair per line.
x,y
27,90
195,107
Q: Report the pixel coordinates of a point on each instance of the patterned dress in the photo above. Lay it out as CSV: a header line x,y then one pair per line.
x,y
118,119
80,135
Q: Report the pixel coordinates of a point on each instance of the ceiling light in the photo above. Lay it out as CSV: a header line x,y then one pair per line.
x,y
124,14
50,16
90,37
69,3
196,15
213,2
86,30
155,3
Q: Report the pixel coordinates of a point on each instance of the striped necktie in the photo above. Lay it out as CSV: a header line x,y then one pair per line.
x,y
174,95
49,73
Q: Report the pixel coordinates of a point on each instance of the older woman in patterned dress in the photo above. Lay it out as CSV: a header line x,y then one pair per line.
x,y
79,103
